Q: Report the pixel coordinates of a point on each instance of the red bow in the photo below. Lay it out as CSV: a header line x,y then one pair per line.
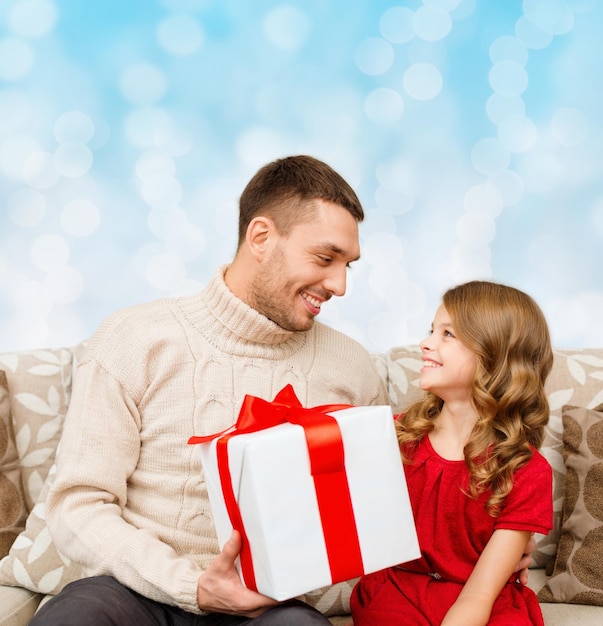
x,y
326,452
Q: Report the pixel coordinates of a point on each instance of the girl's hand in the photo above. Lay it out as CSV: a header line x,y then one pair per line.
x,y
526,561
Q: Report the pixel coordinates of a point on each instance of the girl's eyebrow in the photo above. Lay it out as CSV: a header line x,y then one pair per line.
x,y
445,325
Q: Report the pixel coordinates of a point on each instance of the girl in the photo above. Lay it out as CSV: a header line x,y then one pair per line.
x,y
477,483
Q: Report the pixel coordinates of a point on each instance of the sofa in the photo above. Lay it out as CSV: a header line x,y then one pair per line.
x,y
35,388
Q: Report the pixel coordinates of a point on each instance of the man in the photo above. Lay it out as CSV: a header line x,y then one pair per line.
x,y
129,501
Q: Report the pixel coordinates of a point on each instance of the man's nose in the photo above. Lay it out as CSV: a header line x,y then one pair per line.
x,y
336,282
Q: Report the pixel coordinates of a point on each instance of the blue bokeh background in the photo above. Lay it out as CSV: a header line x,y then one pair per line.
x,y
471,129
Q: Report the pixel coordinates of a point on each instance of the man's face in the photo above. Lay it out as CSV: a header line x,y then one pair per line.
x,y
307,267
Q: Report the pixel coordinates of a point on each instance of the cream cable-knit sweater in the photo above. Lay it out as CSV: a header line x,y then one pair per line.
x,y
129,497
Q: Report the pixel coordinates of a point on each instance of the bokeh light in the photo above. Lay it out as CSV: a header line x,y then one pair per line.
x,y
384,106
374,56
80,217
396,24
39,170
423,81
142,84
32,18
180,35
26,207
16,58
287,27
431,22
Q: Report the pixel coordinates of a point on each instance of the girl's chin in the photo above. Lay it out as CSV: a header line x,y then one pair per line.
x,y
427,387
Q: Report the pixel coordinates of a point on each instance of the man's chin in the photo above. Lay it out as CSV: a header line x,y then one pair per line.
x,y
296,325
309,324
301,326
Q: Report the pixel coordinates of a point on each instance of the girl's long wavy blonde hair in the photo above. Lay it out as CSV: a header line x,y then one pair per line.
x,y
508,332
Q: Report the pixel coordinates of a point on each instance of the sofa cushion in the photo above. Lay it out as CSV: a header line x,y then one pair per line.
x,y
40,385
577,576
403,369
17,606
332,601
12,512
33,561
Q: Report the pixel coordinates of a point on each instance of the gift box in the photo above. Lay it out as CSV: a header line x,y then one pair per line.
x,y
319,495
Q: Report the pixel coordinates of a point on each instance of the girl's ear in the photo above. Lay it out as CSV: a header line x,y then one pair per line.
x,y
260,234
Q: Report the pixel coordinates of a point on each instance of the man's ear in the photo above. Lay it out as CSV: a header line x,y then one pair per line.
x,y
260,236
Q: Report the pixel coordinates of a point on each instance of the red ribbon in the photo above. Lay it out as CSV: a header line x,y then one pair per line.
x,y
326,452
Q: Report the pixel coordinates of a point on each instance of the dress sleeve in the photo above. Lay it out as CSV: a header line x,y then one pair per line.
x,y
529,506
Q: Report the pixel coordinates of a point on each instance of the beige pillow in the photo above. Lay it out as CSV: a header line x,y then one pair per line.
x,y
333,600
402,368
40,384
12,512
33,561
577,576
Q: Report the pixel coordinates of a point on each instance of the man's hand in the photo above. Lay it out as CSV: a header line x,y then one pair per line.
x,y
220,589
526,561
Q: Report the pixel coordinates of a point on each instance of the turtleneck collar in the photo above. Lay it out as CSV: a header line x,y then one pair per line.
x,y
223,318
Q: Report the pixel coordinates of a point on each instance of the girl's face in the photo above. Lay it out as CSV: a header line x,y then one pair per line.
x,y
449,366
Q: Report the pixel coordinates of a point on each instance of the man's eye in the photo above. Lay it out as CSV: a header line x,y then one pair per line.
x,y
325,259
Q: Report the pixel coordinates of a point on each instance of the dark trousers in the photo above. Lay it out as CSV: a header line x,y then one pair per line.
x,y
102,601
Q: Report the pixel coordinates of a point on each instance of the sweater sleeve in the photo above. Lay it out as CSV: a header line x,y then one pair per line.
x,y
99,452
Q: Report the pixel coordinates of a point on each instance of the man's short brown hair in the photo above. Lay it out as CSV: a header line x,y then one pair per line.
x,y
284,189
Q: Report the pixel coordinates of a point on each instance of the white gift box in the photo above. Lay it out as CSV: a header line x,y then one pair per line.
x,y
277,499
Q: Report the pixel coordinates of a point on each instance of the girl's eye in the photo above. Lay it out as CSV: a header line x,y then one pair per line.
x,y
447,333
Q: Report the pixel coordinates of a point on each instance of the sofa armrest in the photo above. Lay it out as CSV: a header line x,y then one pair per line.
x,y
17,605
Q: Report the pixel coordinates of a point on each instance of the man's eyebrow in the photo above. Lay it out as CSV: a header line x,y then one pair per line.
x,y
327,245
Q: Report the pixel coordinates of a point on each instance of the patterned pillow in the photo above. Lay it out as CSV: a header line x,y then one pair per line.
x,y
403,370
13,512
40,384
333,600
577,577
33,561
575,380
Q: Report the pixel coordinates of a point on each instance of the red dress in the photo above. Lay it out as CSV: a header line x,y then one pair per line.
x,y
453,530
